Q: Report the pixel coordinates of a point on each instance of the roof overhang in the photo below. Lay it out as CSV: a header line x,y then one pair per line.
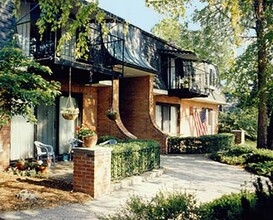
x,y
183,54
135,72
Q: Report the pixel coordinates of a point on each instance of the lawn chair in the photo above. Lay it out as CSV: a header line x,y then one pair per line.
x,y
43,150
110,141
73,142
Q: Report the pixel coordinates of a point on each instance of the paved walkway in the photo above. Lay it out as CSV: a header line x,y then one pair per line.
x,y
191,173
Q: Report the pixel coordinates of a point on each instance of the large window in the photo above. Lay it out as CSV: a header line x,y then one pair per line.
x,y
179,71
167,117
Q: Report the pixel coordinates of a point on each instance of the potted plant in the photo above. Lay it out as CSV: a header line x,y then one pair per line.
x,y
88,135
41,166
70,113
112,114
20,164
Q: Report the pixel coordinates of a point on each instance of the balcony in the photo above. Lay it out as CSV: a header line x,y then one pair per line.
x,y
187,87
97,60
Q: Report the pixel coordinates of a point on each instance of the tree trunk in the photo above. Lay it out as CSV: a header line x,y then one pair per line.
x,y
262,78
270,132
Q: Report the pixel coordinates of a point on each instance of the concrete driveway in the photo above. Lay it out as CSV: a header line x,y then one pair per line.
x,y
195,174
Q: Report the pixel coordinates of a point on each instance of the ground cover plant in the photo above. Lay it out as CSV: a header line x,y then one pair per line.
x,y
257,161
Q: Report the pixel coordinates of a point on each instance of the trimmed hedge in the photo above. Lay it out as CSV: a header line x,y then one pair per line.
x,y
134,157
200,145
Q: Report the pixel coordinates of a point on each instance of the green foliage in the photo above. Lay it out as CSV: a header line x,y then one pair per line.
x,y
164,205
71,16
134,157
258,161
227,207
200,145
261,168
249,206
22,85
200,41
239,119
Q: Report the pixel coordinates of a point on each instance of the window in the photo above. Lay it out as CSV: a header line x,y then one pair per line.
x,y
167,117
171,73
178,71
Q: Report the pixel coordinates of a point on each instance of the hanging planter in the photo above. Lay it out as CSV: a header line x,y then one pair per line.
x,y
112,114
69,112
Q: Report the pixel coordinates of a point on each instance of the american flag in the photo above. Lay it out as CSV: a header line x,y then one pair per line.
x,y
200,120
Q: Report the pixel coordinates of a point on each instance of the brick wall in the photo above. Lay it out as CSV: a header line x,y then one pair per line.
x,y
108,97
92,171
137,109
4,147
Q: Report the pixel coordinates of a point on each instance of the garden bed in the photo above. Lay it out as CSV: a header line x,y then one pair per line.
x,y
47,193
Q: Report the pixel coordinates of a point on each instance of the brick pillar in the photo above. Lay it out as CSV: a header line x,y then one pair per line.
x,y
4,147
92,170
239,136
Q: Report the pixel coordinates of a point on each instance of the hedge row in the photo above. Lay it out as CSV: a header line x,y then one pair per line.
x,y
200,145
134,157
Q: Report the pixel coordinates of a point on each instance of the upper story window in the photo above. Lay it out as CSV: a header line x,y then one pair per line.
x,y
180,72
211,76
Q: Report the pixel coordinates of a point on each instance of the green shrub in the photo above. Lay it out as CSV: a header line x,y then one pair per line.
x,y
260,155
163,205
227,207
261,168
235,155
200,145
134,157
258,161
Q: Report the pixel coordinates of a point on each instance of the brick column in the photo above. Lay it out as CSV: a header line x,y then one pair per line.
x,y
92,170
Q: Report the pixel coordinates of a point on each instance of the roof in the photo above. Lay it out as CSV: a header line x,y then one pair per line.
x,y
215,97
183,54
130,52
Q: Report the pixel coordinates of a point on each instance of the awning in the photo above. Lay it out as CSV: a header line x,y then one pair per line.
x,y
127,48
215,97
183,54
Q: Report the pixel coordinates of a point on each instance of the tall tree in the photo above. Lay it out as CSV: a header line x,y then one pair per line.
x,y
235,19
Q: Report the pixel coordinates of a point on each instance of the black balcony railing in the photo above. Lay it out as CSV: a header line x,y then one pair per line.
x,y
187,87
98,58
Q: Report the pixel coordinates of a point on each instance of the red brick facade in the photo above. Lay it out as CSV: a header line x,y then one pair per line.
x,y
137,109
92,171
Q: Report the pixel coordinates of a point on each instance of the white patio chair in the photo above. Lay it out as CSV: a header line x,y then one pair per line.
x,y
43,150
73,142
110,141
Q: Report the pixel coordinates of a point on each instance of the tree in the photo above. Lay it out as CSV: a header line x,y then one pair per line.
x,y
206,44
235,20
22,85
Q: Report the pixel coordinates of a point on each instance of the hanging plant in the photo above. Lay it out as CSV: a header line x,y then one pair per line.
x,y
69,112
112,114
